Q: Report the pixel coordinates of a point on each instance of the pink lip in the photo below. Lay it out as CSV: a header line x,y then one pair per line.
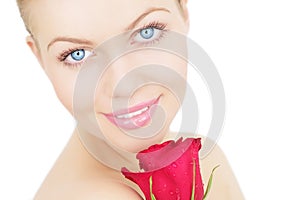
x,y
137,121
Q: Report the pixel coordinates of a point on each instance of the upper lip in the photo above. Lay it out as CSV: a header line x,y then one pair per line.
x,y
134,108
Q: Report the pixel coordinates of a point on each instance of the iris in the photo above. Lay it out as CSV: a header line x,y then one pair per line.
x,y
78,55
147,33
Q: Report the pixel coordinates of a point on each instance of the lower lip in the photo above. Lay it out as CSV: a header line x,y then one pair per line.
x,y
137,121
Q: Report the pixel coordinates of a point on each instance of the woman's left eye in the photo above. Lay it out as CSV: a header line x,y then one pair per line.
x,y
148,35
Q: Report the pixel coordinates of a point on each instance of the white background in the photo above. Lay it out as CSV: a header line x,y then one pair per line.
x,y
255,46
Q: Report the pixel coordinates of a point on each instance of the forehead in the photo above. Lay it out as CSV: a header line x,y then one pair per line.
x,y
89,18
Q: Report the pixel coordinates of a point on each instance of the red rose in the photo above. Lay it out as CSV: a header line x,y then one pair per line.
x,y
171,171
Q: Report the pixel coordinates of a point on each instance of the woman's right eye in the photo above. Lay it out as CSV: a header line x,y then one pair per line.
x,y
77,56
74,57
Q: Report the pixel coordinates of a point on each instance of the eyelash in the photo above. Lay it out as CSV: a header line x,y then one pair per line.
x,y
155,24
64,55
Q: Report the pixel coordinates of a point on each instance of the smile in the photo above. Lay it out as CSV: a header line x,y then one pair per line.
x,y
134,117
133,114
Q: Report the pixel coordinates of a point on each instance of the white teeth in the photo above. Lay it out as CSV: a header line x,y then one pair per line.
x,y
130,115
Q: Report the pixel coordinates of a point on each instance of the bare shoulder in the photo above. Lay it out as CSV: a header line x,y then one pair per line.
x,y
91,190
106,190
225,185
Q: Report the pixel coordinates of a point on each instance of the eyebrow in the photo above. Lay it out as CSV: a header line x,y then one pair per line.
x,y
142,16
70,39
88,42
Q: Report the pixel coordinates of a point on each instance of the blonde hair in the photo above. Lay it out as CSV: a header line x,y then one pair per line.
x,y
23,13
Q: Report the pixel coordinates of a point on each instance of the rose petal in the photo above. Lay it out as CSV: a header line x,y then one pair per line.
x,y
159,156
171,166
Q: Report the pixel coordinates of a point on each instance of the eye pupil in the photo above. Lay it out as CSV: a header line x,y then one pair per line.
x,y
78,55
147,33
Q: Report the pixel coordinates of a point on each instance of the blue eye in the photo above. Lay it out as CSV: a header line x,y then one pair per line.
x,y
75,57
147,33
78,55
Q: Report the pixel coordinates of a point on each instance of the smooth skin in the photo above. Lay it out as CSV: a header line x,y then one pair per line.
x,y
64,30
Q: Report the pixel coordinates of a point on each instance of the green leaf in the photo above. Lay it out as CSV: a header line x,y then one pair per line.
x,y
210,182
151,193
194,180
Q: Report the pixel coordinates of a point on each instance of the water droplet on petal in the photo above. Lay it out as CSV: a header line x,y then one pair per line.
x,y
165,185
171,193
174,165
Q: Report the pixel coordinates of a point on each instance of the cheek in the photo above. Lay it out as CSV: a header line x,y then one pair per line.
x,y
63,81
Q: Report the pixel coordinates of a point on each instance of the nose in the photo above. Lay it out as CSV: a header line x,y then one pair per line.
x,y
120,79
117,61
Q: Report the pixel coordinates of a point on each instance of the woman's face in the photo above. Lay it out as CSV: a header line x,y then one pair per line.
x,y
65,34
